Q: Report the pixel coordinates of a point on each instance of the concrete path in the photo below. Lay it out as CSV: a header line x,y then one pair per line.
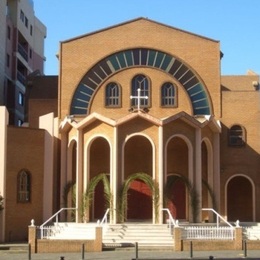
x,y
129,255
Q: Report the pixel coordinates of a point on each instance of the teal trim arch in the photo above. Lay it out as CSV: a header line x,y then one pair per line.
x,y
144,58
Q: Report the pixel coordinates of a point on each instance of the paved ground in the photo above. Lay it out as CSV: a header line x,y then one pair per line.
x,y
129,255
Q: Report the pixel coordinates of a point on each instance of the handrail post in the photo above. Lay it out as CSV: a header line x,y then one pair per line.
x,y
172,220
218,216
41,231
104,219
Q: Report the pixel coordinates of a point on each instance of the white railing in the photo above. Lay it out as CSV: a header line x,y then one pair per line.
x,y
47,231
208,233
104,219
171,221
218,217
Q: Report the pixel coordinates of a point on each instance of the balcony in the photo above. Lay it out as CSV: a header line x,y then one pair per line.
x,y
22,51
21,78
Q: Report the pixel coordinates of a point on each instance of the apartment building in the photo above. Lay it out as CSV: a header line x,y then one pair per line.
x,y
21,53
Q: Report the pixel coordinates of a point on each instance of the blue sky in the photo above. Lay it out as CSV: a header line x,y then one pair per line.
x,y
235,23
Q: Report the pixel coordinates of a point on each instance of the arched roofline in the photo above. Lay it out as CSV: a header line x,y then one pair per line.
x,y
141,57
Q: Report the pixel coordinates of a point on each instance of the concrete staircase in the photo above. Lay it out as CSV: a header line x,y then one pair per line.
x,y
251,231
14,248
116,236
73,231
148,236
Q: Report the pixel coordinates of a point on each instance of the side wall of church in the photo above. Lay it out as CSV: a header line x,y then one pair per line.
x,y
241,108
25,152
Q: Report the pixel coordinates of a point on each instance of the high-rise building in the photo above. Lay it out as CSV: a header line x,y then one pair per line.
x,y
21,53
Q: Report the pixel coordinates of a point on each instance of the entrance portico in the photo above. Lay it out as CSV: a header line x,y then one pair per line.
x,y
176,154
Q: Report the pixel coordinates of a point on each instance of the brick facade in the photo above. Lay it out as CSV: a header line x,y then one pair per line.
x,y
165,143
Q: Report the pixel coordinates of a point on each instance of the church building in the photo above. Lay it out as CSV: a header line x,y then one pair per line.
x,y
142,121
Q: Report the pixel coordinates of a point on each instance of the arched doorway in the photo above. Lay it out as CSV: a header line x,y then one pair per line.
x,y
138,158
239,199
99,162
177,163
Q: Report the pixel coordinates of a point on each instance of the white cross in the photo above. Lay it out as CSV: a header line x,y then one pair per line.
x,y
139,97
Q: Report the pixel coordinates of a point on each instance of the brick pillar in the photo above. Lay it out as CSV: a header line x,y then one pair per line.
x,y
177,239
238,238
32,238
98,240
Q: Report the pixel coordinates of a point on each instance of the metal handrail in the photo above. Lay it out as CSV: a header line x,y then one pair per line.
x,y
172,220
218,217
104,219
55,215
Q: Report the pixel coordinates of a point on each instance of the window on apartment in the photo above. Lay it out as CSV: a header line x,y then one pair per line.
x,y
31,30
22,16
26,21
24,186
113,95
7,60
20,98
8,33
140,82
30,53
236,136
168,95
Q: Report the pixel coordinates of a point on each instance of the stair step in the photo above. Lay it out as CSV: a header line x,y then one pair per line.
x,y
14,247
119,235
146,235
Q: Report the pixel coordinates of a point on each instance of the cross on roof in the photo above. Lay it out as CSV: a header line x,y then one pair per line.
x,y
139,97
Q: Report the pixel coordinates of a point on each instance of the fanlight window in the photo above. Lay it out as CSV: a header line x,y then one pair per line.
x,y
236,136
140,82
168,95
113,95
24,187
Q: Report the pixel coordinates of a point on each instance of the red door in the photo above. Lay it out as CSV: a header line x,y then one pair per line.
x,y
177,200
139,201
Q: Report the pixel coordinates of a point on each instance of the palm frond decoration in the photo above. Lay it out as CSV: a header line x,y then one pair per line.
x,y
123,194
90,191
1,203
69,187
212,196
193,194
66,190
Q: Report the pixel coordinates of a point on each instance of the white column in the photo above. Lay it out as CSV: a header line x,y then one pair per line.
x,y
114,174
161,167
3,156
216,169
79,174
198,179
63,166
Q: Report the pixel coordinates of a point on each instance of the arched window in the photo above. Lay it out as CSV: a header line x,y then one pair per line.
x,y
24,186
113,95
236,136
140,82
168,95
